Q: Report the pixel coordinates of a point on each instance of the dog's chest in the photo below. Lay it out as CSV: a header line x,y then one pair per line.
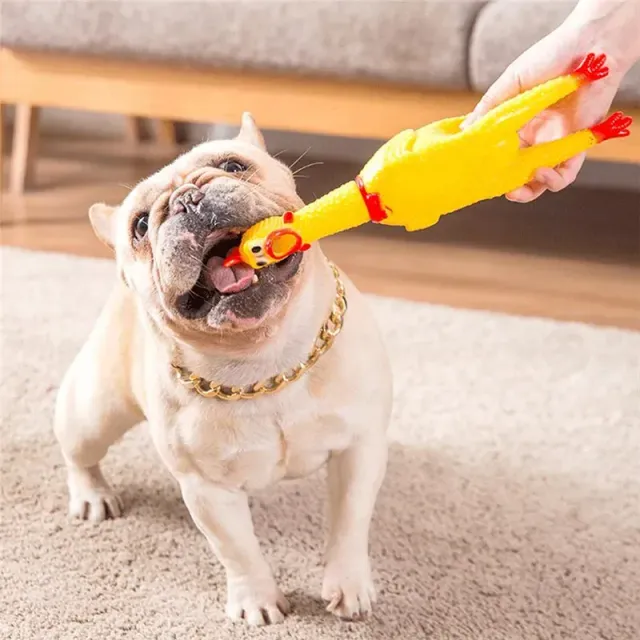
x,y
252,447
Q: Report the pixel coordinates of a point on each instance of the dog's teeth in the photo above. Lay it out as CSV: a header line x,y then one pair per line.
x,y
255,279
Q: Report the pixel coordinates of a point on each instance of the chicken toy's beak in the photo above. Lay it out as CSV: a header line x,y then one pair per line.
x,y
233,258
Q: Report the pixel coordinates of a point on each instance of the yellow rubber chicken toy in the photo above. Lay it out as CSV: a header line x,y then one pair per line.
x,y
421,175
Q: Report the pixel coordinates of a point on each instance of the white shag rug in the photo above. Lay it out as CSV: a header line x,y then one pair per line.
x,y
511,508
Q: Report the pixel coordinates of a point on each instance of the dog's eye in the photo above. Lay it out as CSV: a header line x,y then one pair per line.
x,y
232,166
141,226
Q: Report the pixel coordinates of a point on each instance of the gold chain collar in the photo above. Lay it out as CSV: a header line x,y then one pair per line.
x,y
323,342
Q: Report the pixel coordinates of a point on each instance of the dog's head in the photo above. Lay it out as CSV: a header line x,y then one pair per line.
x,y
174,229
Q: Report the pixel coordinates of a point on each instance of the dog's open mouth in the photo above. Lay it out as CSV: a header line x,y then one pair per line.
x,y
217,282
226,280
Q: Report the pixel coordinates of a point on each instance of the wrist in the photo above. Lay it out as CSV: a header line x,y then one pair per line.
x,y
610,27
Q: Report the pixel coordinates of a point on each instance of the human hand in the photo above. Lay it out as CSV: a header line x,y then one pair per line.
x,y
558,53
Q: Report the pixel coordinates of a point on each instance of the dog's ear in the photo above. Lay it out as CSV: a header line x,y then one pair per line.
x,y
103,222
250,133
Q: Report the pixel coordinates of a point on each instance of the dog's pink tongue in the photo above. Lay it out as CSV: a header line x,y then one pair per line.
x,y
229,279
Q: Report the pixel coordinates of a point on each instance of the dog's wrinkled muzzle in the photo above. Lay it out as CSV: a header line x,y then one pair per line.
x,y
196,210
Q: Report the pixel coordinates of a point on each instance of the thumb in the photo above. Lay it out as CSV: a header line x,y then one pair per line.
x,y
507,86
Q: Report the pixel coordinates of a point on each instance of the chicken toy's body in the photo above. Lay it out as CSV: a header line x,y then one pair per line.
x,y
418,176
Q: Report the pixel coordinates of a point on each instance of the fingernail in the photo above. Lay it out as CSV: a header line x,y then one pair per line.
x,y
518,196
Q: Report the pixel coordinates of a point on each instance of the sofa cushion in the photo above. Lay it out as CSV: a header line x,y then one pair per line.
x,y
415,42
506,28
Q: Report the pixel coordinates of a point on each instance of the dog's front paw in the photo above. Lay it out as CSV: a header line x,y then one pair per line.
x,y
95,506
90,497
349,589
257,602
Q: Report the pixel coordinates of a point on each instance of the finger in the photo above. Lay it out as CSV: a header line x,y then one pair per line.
x,y
562,176
527,193
552,179
507,86
571,168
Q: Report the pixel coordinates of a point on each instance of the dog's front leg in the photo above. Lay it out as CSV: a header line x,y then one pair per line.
x,y
223,516
355,476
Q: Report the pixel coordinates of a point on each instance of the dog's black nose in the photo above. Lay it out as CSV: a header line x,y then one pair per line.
x,y
185,200
223,204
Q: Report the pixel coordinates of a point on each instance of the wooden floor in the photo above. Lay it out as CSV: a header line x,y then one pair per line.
x,y
575,256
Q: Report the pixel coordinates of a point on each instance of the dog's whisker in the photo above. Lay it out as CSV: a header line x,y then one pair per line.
x,y
306,166
246,179
302,155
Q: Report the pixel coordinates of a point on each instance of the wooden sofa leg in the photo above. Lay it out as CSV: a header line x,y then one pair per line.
x,y
3,120
25,143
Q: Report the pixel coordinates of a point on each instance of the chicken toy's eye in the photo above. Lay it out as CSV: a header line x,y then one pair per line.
x,y
282,243
256,249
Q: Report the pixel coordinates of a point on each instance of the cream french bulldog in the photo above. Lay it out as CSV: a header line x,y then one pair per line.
x,y
176,306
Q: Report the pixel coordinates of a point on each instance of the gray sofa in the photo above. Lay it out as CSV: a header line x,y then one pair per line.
x,y
421,46
431,44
